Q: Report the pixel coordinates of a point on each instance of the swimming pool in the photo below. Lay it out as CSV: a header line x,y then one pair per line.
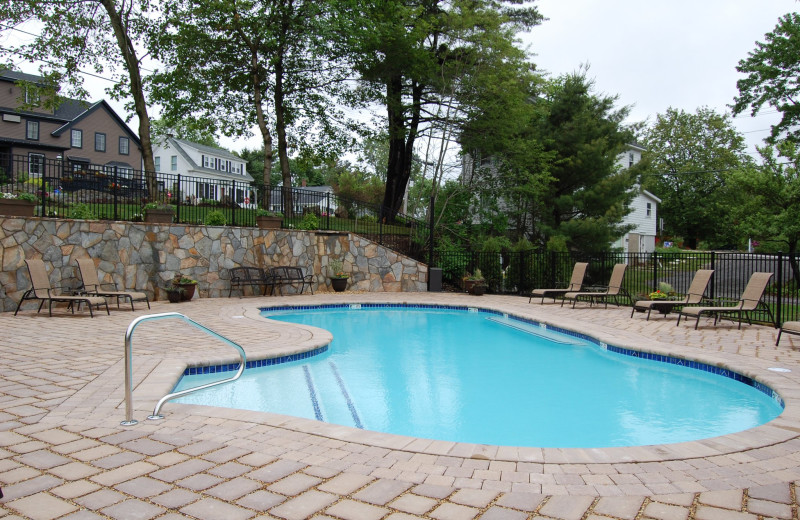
x,y
483,377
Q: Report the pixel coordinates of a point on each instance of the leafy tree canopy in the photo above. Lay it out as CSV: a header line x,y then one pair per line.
x,y
687,159
773,78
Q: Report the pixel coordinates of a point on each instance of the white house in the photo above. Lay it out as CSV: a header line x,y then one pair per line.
x,y
644,211
206,172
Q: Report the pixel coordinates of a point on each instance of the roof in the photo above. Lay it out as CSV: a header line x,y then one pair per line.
x,y
181,145
99,105
13,75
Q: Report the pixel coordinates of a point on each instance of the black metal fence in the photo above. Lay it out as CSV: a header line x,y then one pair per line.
x,y
520,272
69,189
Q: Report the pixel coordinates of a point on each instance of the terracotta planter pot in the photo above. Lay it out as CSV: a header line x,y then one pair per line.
x,y
158,216
188,290
269,222
339,284
17,208
477,289
174,296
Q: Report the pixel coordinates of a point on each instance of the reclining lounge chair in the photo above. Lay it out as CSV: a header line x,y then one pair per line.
x,y
92,285
694,295
575,284
789,327
749,302
613,290
42,290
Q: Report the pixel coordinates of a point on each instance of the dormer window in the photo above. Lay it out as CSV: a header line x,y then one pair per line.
x,y
32,97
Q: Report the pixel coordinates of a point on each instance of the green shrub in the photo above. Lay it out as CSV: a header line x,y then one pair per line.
x,y
310,222
368,219
215,218
82,212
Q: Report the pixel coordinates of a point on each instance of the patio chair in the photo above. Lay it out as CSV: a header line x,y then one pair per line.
x,y
749,302
42,290
613,290
92,285
789,327
694,295
575,284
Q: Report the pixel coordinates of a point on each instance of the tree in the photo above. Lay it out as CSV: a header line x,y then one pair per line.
x,y
101,35
413,56
583,134
773,69
262,62
200,131
769,201
688,158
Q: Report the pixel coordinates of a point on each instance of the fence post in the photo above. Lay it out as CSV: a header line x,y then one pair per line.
x,y
327,210
779,285
430,233
178,199
655,270
115,191
234,204
713,268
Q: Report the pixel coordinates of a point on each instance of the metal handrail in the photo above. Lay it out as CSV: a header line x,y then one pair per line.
x,y
129,420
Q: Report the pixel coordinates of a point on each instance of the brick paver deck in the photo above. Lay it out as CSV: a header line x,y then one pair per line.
x,y
64,454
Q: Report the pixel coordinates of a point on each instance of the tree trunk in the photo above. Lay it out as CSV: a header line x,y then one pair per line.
x,y
280,120
266,136
401,145
137,92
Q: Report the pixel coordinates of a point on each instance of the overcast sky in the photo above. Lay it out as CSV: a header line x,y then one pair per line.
x,y
655,55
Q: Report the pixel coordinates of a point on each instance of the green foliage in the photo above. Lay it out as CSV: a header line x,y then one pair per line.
x,y
82,212
772,70
194,129
310,222
261,212
687,161
215,218
557,244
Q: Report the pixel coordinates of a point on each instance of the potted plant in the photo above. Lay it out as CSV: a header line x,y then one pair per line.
x,y
187,285
337,275
174,293
266,219
158,213
18,204
475,283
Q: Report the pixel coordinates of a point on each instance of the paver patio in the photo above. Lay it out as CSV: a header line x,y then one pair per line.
x,y
64,454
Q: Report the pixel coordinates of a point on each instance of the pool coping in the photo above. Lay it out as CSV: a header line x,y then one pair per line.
x,y
782,429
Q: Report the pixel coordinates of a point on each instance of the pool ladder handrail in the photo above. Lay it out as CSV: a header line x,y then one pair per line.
x,y
129,420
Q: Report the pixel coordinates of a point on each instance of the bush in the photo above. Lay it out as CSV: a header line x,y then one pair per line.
x,y
310,222
215,218
82,212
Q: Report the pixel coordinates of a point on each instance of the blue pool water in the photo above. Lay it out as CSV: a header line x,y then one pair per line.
x,y
485,378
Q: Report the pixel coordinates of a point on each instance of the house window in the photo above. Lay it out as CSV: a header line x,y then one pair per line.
x,y
630,161
76,138
35,164
32,97
157,161
99,142
124,146
32,130
649,209
173,163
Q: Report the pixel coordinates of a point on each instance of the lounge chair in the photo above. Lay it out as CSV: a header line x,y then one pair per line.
x,y
750,301
575,284
613,290
92,285
789,327
694,295
42,290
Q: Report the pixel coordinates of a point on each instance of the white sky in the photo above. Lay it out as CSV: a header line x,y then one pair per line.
x,y
655,55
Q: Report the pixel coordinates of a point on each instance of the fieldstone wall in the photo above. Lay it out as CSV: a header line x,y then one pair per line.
x,y
147,257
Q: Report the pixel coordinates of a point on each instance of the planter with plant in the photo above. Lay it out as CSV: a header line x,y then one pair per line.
x,y
175,293
337,275
266,219
187,285
475,283
18,204
159,213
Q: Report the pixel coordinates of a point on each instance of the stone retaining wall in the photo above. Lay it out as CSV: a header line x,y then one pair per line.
x,y
146,257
